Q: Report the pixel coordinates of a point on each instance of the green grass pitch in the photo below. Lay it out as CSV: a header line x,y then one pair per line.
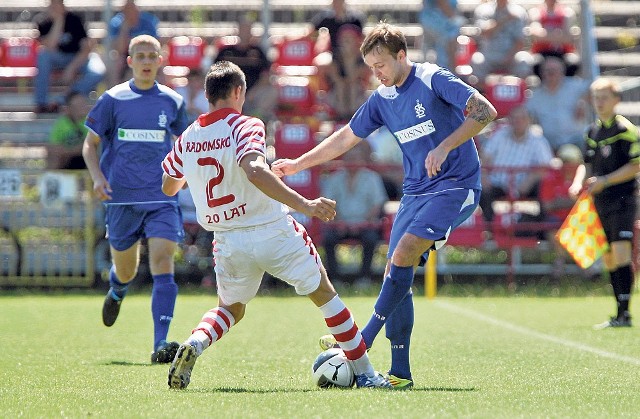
x,y
472,357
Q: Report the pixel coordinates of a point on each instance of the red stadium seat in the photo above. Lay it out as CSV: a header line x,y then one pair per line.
x,y
505,92
184,52
295,58
293,139
18,57
466,48
469,233
296,52
295,97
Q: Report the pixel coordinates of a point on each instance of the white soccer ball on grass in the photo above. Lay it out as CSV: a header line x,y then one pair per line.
x,y
332,369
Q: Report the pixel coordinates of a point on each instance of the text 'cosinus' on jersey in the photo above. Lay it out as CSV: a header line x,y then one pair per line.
x,y
215,144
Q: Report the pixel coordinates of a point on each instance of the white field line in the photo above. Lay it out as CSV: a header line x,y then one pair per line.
x,y
532,333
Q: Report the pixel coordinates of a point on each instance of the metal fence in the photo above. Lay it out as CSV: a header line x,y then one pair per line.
x,y
47,228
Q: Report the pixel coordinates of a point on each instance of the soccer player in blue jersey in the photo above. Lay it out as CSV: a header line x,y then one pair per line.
x,y
135,123
433,116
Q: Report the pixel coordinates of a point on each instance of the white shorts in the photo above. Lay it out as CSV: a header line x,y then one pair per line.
x,y
282,248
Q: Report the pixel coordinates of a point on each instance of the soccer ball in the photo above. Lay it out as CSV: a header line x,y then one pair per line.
x,y
332,369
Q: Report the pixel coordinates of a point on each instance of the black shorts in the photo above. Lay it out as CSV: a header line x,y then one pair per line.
x,y
617,217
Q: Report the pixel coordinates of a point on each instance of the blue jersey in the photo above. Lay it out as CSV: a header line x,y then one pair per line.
x,y
421,113
136,129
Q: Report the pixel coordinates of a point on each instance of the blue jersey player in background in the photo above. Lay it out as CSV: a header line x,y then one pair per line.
x,y
135,124
433,116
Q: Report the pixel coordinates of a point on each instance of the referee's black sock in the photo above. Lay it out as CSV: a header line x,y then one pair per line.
x,y
622,281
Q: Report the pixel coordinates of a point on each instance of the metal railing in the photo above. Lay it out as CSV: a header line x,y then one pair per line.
x,y
47,228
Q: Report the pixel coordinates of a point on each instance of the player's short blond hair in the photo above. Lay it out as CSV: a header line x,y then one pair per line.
x,y
602,83
146,40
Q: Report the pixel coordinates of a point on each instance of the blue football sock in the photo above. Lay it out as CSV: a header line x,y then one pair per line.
x,y
163,301
398,330
394,289
118,289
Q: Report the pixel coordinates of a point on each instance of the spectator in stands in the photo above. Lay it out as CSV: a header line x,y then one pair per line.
x,y
65,46
194,96
360,195
125,25
262,100
347,75
521,148
441,21
555,200
134,125
612,162
249,56
553,33
246,53
502,44
558,105
333,19
68,133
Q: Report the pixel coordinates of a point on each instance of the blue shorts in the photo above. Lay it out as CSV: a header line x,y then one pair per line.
x,y
126,224
432,216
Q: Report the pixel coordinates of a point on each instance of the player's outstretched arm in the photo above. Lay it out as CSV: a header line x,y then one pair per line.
x,y
333,146
258,173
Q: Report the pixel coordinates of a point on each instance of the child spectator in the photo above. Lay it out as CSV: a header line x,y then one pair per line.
x,y
68,133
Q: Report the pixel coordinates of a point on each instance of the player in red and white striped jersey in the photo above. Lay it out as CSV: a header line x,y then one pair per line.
x,y
222,158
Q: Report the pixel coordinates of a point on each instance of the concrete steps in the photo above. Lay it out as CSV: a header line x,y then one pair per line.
x,y
25,127
619,63
619,22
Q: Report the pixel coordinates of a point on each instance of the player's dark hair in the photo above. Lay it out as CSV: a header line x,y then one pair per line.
x,y
384,36
222,78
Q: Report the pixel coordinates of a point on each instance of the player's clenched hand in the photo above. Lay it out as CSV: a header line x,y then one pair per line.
x,y
284,167
102,189
322,208
435,159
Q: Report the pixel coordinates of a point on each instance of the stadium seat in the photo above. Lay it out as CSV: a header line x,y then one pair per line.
x,y
295,97
293,139
505,92
466,48
469,233
290,141
295,58
18,57
184,53
296,52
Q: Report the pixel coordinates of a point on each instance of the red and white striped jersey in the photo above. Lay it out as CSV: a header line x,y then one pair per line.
x,y
207,155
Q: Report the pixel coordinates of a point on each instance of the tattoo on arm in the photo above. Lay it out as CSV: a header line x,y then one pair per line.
x,y
478,110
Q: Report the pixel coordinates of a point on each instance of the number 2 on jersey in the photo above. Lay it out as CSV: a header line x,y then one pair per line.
x,y
212,201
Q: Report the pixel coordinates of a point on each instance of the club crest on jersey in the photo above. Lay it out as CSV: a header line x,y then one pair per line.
x,y
419,109
162,120
415,132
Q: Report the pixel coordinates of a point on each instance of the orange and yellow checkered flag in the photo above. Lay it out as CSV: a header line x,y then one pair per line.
x,y
582,233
